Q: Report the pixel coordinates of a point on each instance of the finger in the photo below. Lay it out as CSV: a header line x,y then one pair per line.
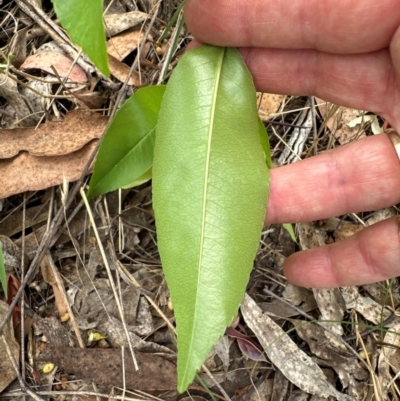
x,y
369,256
341,26
361,176
366,81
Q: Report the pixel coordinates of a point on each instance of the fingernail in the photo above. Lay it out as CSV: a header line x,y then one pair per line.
x,y
395,138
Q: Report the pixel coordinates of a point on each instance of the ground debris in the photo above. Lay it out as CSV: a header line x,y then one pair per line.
x,y
106,367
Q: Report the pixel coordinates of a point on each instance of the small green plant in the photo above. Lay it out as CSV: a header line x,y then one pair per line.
x,y
201,140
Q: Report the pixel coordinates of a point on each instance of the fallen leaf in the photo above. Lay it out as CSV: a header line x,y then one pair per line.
x,y
370,309
49,278
116,23
9,90
13,224
7,372
268,104
32,173
54,138
285,354
13,286
338,121
122,45
392,337
332,307
104,367
346,230
64,66
120,71
246,345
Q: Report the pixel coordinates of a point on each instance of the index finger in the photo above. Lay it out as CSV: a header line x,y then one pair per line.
x,y
335,26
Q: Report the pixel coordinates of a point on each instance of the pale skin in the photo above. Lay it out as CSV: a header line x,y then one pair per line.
x,y
348,53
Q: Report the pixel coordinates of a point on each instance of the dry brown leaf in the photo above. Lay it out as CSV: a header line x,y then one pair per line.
x,y
120,71
268,104
45,60
14,223
9,90
49,278
54,138
32,173
285,354
346,230
332,307
367,307
121,45
116,23
392,337
7,372
88,98
337,122
104,366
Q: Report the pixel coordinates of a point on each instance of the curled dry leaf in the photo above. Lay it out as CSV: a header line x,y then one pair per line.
x,y
32,173
54,138
116,23
121,45
285,354
246,345
120,71
64,66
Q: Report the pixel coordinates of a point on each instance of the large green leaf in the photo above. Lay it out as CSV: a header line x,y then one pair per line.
x,y
210,187
126,151
264,140
83,20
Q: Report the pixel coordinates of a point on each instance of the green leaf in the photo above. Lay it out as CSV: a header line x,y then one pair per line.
x,y
126,151
141,180
210,187
289,228
3,275
83,20
265,142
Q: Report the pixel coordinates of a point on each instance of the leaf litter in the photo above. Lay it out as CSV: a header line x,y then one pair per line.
x,y
54,109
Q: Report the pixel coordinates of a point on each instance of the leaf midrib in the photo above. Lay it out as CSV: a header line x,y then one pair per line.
x,y
146,136
205,193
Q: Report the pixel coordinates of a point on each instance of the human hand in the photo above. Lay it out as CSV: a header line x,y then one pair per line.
x,y
347,53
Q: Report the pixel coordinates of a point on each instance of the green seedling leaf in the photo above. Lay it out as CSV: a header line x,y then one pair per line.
x,y
264,139
289,228
83,20
126,151
3,275
210,187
